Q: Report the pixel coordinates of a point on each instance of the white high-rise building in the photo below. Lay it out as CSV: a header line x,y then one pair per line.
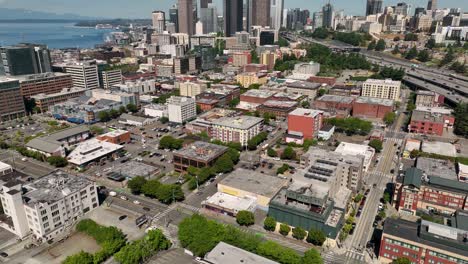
x,y
109,78
384,89
276,13
159,21
84,75
181,109
48,206
199,28
209,18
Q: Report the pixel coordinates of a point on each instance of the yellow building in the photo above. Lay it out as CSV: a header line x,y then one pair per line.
x,y
269,59
192,89
248,78
246,183
384,89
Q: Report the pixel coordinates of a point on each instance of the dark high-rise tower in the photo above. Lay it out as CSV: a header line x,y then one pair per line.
x,y
174,16
232,17
204,3
328,16
24,59
432,5
374,7
186,18
259,13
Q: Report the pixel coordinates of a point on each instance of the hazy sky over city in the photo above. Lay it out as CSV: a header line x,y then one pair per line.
x,y
142,8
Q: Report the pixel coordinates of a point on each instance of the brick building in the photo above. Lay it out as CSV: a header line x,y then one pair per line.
x,y
277,108
326,80
43,83
116,137
306,122
431,123
429,99
424,242
11,101
369,107
255,67
336,105
199,154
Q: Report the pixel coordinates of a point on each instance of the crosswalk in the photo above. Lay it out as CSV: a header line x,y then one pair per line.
x,y
353,257
330,257
189,207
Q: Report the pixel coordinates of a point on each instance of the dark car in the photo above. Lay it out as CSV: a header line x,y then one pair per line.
x,y
122,217
3,254
146,209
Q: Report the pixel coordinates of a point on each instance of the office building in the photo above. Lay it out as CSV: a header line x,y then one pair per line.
x,y
24,59
208,18
181,109
232,11
57,143
364,151
422,22
199,155
11,101
278,108
47,207
159,21
428,122
174,17
328,16
268,58
185,17
43,83
44,101
432,5
317,20
335,105
424,241
248,78
304,88
276,12
312,68
236,129
259,13
192,89
110,78
374,7
140,86
84,75
384,89
240,59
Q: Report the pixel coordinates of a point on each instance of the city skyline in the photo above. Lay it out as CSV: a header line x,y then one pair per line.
x,y
120,8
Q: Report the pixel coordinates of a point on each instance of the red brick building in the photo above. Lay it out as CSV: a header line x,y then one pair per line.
x,y
256,96
370,107
423,122
307,122
327,80
44,83
425,242
430,193
339,106
116,137
255,67
277,108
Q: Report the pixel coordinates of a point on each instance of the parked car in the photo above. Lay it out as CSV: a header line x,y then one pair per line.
x,y
122,217
3,254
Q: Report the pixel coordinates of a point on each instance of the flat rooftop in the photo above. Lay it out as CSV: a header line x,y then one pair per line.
x,y
254,182
439,168
374,101
304,85
226,254
427,116
91,150
280,104
232,202
306,112
439,110
239,122
64,91
200,150
291,96
40,76
114,133
54,187
259,93
336,99
132,168
441,148
382,82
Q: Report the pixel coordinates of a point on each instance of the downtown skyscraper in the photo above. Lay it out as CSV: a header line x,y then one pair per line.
x,y
159,21
432,5
374,7
276,12
233,10
259,13
186,18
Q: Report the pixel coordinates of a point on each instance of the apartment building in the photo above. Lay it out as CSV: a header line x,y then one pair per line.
x,y
304,123
44,101
192,89
181,109
236,129
384,89
110,78
48,206
248,78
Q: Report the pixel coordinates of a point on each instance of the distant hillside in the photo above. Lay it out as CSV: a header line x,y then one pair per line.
x,y
24,14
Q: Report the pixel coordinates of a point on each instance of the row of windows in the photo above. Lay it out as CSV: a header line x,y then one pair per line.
x,y
399,243
443,256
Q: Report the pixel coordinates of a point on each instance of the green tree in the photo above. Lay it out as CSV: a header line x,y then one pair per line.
x,y
431,43
132,108
136,184
271,152
299,233
288,153
150,188
305,104
312,256
245,218
321,33
401,261
282,169
412,53
371,45
449,56
316,237
122,109
234,102
380,45
168,142
358,198
269,224
114,113
396,50
411,37
168,193
97,130
104,116
199,109
386,197
80,258
461,120
389,118
57,161
163,120
397,38
321,92
284,229
224,164
282,42
376,144
423,56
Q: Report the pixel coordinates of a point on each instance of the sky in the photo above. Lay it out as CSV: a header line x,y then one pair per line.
x,y
143,8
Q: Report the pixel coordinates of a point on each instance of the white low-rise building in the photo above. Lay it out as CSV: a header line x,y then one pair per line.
x,y
181,109
156,110
46,207
93,150
352,149
139,86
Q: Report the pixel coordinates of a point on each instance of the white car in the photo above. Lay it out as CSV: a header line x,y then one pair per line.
x,y
124,197
136,202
